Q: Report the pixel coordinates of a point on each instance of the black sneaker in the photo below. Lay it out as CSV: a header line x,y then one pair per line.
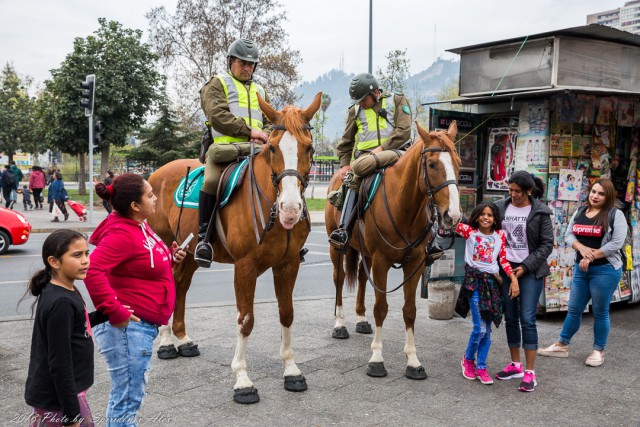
x,y
510,371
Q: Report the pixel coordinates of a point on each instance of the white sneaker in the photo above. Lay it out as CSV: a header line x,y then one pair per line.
x,y
596,358
554,350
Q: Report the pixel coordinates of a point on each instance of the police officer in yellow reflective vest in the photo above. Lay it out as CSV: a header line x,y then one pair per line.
x,y
378,125
230,103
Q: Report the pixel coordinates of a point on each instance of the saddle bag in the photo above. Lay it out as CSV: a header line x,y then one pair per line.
x,y
226,153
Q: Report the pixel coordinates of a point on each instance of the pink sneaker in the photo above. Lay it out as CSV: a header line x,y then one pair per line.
x,y
529,382
468,368
483,376
511,371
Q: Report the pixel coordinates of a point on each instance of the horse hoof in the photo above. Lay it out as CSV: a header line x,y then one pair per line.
x,y
340,333
295,383
376,370
246,395
416,373
166,352
364,328
189,350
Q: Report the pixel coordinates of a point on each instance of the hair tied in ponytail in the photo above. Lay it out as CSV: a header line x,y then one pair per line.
x,y
110,189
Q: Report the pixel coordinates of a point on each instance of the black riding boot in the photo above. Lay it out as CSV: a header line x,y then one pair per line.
x,y
204,251
340,238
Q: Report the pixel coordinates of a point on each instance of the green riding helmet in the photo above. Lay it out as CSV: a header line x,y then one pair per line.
x,y
361,86
244,49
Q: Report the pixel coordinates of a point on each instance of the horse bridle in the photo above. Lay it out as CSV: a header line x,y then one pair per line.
x,y
276,179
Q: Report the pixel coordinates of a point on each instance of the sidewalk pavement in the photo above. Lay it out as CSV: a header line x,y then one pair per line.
x,y
198,391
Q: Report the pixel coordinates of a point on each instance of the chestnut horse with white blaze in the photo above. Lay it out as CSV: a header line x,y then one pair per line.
x,y
416,195
274,184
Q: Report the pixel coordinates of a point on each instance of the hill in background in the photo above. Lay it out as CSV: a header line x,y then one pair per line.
x,y
421,87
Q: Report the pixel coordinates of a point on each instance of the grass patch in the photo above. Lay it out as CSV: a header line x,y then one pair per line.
x,y
80,198
316,204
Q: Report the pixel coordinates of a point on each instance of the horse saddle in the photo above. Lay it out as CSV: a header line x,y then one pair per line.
x,y
231,179
186,194
369,188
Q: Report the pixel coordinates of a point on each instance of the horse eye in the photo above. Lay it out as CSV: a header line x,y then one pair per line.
x,y
272,149
432,164
310,149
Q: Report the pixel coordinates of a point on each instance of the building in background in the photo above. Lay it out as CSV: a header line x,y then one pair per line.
x,y
626,18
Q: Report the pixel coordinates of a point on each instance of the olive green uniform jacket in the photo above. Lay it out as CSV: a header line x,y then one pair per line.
x,y
216,109
400,135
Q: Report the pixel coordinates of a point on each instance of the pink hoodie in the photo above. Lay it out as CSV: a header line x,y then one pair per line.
x,y
130,266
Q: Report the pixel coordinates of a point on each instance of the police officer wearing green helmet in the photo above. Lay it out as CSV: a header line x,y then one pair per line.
x,y
230,104
378,126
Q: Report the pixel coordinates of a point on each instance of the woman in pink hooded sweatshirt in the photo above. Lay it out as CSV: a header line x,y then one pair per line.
x,y
130,267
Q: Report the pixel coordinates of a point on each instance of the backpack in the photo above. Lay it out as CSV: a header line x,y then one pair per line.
x,y
9,179
612,218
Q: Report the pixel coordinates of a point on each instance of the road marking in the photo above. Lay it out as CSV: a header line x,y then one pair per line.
x,y
18,256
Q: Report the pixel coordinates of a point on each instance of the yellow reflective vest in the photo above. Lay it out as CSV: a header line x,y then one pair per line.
x,y
373,129
242,103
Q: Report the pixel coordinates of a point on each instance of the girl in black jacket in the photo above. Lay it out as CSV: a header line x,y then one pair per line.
x,y
61,361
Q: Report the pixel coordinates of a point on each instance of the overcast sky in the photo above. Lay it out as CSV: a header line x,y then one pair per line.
x,y
36,35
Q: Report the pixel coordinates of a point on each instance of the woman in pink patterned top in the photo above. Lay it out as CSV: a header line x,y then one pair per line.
x,y
481,290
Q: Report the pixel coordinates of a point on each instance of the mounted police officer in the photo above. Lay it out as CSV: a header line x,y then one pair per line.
x,y
378,126
230,103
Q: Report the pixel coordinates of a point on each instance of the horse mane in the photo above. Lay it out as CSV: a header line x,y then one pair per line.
x,y
292,121
445,142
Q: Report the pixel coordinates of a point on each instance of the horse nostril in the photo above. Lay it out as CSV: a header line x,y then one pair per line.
x,y
299,206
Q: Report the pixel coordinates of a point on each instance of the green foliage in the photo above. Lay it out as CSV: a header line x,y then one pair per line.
x,y
193,43
316,204
451,91
127,85
394,78
164,141
18,115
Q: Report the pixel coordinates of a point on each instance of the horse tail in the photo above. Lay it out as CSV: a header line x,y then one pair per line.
x,y
351,267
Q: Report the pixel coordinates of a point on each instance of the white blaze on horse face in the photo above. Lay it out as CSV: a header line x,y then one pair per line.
x,y
290,200
239,363
286,353
454,196
376,346
410,349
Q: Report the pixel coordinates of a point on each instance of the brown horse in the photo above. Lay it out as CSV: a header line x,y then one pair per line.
x,y
416,193
280,176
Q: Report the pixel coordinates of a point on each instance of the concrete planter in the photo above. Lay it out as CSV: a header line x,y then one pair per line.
x,y
441,299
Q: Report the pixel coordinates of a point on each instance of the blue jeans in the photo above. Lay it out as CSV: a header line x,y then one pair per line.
x,y
127,352
597,284
480,338
520,312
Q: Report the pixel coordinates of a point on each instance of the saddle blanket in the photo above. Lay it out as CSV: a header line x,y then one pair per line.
x,y
189,197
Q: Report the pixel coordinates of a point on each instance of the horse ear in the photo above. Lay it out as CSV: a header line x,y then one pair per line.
x,y
424,134
314,107
267,109
453,130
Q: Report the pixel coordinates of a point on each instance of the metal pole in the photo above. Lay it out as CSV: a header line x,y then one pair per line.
x,y
91,169
370,36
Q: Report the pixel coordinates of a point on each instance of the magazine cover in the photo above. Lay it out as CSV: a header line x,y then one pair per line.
x,y
569,184
467,150
501,157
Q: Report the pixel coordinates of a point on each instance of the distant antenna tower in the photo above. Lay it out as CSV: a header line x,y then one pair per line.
x,y
342,61
435,35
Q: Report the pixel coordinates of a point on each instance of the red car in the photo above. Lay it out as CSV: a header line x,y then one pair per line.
x,y
14,229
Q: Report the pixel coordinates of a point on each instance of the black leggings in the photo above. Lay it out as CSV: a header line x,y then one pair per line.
x,y
37,193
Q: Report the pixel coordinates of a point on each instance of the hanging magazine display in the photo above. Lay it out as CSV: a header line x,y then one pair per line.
x,y
501,152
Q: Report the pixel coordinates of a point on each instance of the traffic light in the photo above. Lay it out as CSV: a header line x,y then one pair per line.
x,y
87,94
98,133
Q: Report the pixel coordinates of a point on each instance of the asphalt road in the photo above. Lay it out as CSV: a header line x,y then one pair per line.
x,y
209,286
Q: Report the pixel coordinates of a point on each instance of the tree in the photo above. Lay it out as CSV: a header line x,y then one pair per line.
x,y
17,118
166,140
450,91
394,78
127,86
193,44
